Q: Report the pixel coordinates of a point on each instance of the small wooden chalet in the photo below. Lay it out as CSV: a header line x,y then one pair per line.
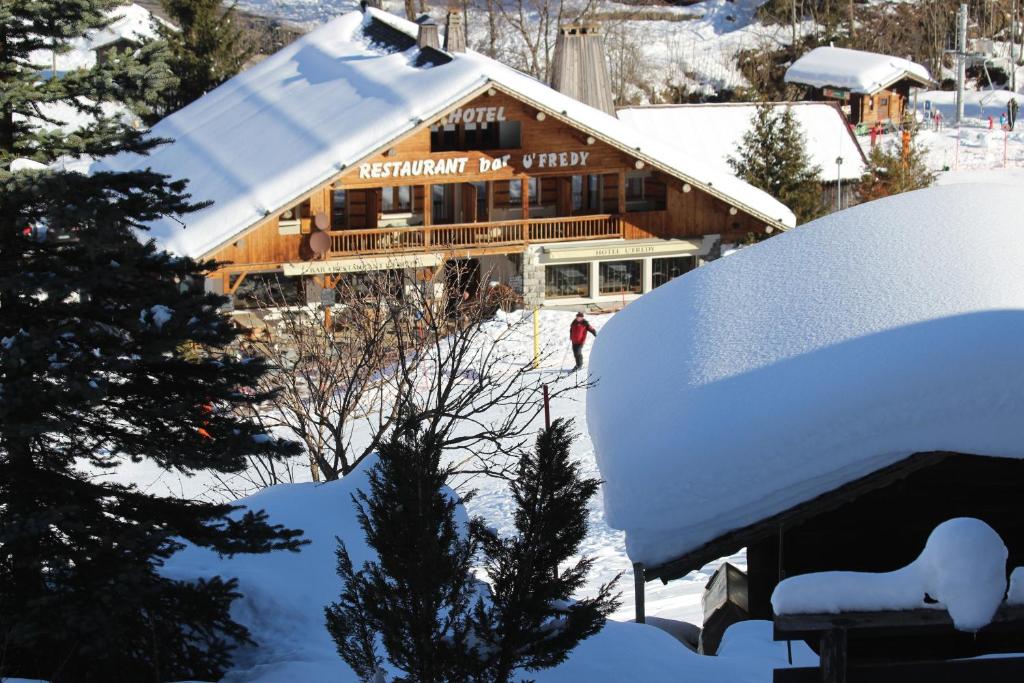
x,y
713,133
869,87
366,145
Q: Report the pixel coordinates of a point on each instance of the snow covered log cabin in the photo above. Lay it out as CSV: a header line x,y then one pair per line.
x,y
366,146
830,396
713,133
868,86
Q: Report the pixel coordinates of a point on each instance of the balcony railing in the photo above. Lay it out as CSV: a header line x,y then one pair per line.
x,y
518,232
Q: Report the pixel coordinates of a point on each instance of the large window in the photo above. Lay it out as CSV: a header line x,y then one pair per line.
x,y
645,192
463,137
396,199
665,269
515,192
618,277
265,290
338,213
571,279
586,193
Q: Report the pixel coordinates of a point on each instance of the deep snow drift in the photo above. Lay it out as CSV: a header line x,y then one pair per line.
x,y
839,347
285,593
962,567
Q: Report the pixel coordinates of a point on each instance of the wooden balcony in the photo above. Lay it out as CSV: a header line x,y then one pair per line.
x,y
468,236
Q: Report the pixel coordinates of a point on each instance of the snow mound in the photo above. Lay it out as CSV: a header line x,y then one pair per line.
x,y
854,70
284,595
962,566
808,361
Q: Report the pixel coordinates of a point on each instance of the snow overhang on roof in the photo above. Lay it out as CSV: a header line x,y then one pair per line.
x,y
854,70
711,133
340,94
808,361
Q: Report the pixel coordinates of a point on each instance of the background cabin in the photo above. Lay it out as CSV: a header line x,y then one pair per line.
x,y
867,86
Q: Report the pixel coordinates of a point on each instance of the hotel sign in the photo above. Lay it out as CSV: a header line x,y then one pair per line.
x,y
612,251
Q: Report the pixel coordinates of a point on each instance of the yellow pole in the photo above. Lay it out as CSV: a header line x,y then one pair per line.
x,y
536,338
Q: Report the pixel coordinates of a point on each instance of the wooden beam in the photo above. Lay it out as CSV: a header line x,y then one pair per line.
x,y
230,288
889,623
638,591
833,656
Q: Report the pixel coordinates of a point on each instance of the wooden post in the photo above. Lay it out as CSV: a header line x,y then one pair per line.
x,y
536,344
639,580
525,196
547,408
622,192
428,214
833,656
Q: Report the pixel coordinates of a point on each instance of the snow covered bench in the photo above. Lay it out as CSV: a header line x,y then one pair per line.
x,y
954,591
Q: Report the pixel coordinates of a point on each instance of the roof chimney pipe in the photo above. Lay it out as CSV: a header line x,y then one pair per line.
x,y
579,69
428,35
455,32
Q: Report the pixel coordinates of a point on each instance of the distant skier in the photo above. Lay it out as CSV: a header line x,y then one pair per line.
x,y
578,336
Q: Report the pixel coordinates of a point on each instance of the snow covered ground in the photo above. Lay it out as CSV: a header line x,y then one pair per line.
x,y
677,600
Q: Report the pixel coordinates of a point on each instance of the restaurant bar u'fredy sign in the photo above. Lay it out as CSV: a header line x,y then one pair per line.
x,y
421,168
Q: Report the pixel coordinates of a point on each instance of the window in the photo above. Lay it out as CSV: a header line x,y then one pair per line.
x,y
586,193
264,290
396,199
665,269
617,277
444,138
645,192
465,137
515,192
338,217
571,279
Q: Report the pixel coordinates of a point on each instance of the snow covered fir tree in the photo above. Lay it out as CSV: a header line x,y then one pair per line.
x,y
106,358
772,156
419,601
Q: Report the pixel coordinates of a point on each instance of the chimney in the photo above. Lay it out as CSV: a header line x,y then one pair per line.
x,y
579,69
455,32
428,36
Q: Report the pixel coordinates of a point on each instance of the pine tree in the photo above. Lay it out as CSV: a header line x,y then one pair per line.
x,y
772,156
207,47
97,367
892,171
531,622
416,596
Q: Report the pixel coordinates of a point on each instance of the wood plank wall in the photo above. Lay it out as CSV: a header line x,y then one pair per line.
x,y
687,214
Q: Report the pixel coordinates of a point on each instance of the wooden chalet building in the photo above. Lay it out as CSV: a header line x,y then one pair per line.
x,y
365,145
869,87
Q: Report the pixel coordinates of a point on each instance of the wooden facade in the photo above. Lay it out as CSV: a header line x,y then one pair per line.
x,y
880,106
491,175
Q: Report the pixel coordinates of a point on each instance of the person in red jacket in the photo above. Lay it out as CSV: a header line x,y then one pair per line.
x,y
578,336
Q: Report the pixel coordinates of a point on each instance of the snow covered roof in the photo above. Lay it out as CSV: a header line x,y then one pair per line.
x,y
127,22
853,70
337,95
713,132
808,361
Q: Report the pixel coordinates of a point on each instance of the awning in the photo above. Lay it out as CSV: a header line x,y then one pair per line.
x,y
363,264
613,249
